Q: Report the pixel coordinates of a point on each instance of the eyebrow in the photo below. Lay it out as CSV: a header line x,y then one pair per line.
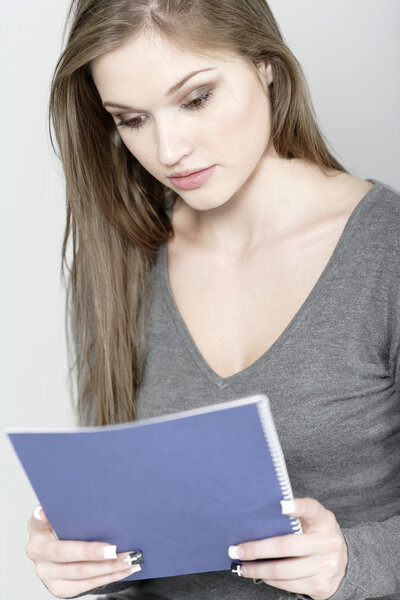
x,y
174,89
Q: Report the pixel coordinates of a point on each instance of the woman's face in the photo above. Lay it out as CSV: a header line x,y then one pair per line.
x,y
220,116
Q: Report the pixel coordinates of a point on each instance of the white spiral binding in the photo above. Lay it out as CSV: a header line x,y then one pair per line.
x,y
278,459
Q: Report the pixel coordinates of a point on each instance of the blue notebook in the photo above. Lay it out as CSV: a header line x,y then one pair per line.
x,y
181,488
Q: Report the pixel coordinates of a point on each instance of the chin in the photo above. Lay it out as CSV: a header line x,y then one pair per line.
x,y
205,203
201,199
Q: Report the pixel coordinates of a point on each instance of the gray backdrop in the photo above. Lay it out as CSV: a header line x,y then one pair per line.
x,y
350,51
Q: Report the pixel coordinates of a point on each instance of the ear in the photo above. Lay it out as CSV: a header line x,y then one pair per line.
x,y
265,70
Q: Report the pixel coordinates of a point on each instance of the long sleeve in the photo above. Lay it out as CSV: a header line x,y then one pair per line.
x,y
373,569
374,548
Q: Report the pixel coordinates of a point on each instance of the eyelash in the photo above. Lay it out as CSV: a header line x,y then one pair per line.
x,y
204,98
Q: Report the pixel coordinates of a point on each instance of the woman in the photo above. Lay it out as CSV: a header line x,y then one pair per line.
x,y
270,270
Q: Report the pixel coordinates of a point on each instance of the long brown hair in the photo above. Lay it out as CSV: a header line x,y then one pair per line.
x,y
116,210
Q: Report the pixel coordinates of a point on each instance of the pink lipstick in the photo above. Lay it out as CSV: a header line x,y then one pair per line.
x,y
193,180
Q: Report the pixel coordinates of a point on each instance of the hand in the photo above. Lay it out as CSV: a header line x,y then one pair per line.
x,y
321,553
68,568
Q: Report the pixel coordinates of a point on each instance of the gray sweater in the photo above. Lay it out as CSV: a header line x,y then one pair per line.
x,y
333,382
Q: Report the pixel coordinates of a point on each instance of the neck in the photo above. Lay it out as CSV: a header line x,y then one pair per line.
x,y
281,196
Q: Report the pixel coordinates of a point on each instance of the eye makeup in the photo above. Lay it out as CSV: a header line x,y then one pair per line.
x,y
201,98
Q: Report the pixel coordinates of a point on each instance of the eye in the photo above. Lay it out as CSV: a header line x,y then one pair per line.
x,y
201,100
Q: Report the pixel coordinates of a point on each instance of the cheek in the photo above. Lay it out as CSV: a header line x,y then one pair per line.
x,y
243,126
140,149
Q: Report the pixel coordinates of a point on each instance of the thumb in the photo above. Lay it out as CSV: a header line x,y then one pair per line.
x,y
312,513
38,513
39,519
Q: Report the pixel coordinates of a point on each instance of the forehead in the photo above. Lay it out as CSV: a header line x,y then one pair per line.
x,y
148,60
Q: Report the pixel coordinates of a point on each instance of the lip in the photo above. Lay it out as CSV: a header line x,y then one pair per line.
x,y
193,179
187,172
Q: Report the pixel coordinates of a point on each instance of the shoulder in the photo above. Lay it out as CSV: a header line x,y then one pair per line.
x,y
346,191
375,232
382,211
368,214
387,194
372,206
367,209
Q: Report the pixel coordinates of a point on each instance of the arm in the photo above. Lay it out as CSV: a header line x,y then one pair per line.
x,y
373,561
326,562
373,568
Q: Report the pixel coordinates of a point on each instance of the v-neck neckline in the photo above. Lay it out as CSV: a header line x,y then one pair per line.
x,y
223,382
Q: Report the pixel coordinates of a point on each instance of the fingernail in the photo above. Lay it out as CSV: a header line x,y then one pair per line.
x,y
287,506
134,557
36,513
108,552
235,552
135,569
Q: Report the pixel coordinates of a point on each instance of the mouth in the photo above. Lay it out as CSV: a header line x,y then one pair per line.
x,y
187,172
192,179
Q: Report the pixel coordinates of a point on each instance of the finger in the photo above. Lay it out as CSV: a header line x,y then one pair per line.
x,y
69,588
281,546
67,551
46,570
312,513
284,569
38,520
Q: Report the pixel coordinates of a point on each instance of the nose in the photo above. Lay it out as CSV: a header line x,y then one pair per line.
x,y
173,142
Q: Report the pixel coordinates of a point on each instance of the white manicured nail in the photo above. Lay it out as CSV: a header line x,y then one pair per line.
x,y
36,513
233,552
135,569
287,506
110,551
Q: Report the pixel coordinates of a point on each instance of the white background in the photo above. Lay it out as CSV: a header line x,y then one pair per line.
x,y
350,51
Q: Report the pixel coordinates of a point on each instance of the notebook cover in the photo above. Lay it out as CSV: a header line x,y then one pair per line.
x,y
181,490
